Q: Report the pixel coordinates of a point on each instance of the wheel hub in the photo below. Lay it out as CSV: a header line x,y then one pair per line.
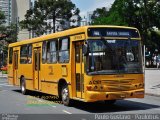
x,y
65,94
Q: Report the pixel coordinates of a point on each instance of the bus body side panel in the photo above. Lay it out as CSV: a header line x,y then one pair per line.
x,y
16,54
26,71
49,78
52,73
10,74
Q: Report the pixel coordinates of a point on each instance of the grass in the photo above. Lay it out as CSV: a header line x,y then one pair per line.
x,y
4,72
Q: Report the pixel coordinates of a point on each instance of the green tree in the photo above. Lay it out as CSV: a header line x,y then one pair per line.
x,y
2,18
99,13
114,16
142,14
8,34
2,27
55,10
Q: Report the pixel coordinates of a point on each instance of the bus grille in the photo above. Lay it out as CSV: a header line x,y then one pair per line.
x,y
118,85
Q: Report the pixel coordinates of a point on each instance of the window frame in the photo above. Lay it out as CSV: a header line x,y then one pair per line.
x,y
56,51
27,55
61,51
45,60
10,55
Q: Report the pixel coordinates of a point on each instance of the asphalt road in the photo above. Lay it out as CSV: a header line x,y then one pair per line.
x,y
14,103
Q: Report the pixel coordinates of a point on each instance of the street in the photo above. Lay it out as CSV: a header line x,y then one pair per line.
x,y
13,102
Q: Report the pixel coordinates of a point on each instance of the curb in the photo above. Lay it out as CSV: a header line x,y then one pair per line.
x,y
152,69
3,76
151,94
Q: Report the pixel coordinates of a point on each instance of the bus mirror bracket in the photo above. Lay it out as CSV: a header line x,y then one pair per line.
x,y
85,49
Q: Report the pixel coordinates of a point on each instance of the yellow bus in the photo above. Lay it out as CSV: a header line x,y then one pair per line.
x,y
88,63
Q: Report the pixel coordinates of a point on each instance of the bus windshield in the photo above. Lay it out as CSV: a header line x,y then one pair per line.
x,y
114,56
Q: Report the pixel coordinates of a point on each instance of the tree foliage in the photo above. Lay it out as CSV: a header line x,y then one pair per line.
x,y
8,34
55,10
142,14
2,18
113,17
99,13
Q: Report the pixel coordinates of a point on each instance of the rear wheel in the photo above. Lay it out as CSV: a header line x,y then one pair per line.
x,y
23,86
65,96
110,102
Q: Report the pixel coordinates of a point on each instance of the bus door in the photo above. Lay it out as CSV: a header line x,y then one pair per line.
x,y
79,74
15,67
36,71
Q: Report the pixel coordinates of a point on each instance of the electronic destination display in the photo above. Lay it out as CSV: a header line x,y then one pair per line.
x,y
113,32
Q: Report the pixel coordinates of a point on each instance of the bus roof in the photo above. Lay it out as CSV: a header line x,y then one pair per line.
x,y
68,32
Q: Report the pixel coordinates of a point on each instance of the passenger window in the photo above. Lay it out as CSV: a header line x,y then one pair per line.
x,y
44,52
29,54
64,50
26,54
52,51
10,55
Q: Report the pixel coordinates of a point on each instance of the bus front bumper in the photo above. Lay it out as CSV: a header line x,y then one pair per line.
x,y
92,96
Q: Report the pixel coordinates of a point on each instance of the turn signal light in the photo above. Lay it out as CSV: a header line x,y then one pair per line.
x,y
89,88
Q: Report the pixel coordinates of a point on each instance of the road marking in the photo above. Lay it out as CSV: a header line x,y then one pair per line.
x,y
52,106
66,112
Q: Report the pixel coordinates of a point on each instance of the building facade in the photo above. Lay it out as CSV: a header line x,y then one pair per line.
x,y
5,7
19,9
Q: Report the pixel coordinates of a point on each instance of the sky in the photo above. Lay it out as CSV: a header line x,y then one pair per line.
x,y
90,5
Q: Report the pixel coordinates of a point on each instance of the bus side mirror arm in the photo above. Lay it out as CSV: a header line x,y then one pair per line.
x,y
85,49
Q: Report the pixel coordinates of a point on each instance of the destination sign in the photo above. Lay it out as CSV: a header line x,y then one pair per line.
x,y
113,32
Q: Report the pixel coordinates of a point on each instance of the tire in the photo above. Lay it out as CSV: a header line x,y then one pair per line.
x,y
110,102
65,96
23,86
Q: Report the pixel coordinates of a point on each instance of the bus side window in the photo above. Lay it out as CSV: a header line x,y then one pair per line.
x,y
26,54
52,51
44,52
29,60
23,54
10,55
48,52
64,50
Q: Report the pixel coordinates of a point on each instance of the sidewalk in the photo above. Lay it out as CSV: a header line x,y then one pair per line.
x,y
152,82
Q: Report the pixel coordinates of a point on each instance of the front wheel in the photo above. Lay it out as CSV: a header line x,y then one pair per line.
x,y
65,96
23,86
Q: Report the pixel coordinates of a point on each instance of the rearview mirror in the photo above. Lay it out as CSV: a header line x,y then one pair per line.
x,y
85,49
